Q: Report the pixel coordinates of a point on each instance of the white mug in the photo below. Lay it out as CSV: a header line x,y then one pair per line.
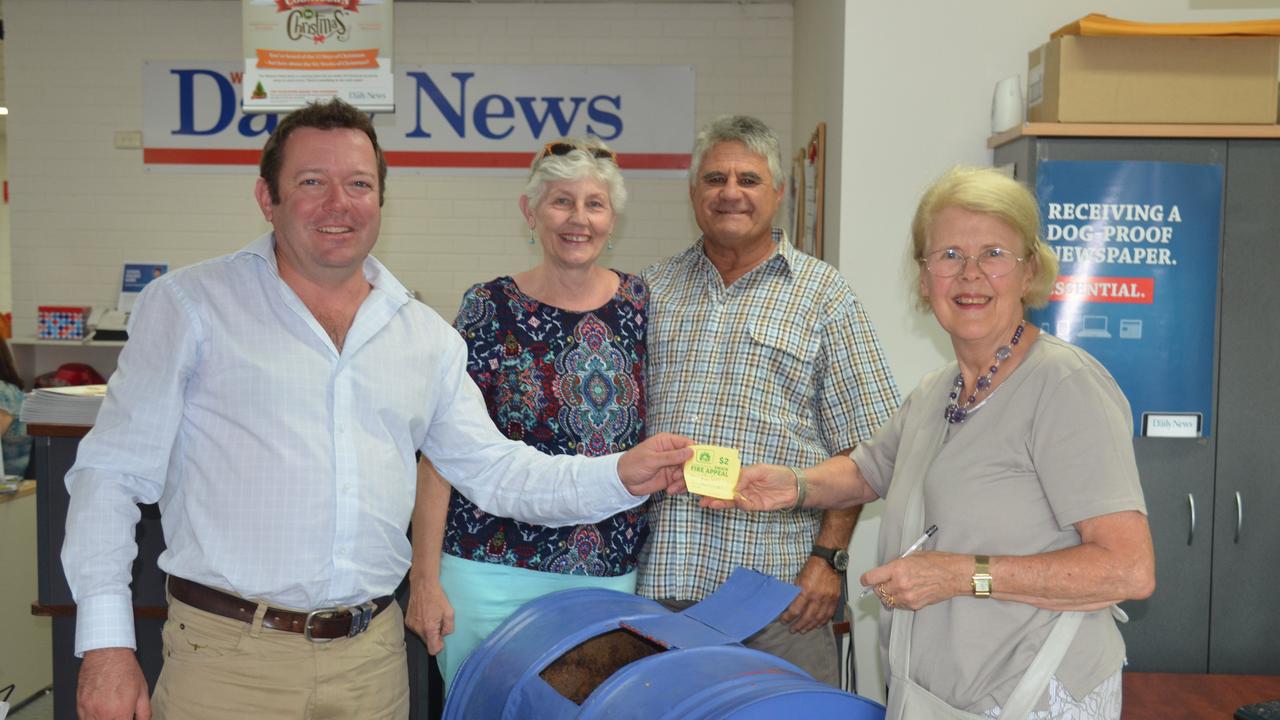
x,y
1006,105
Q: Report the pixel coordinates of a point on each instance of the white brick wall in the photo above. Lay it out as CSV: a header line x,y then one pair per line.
x,y
80,208
6,295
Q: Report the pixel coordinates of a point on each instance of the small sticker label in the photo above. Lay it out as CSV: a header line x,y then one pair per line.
x,y
712,471
1172,425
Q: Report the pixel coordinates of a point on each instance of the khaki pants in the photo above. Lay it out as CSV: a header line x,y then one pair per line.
x,y
217,668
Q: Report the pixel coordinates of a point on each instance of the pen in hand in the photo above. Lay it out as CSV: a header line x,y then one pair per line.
x,y
919,543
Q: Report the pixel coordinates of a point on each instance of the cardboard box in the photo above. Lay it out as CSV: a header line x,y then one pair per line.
x,y
61,323
1153,80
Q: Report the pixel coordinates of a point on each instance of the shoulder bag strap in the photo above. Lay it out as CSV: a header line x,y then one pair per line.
x,y
912,525
1034,681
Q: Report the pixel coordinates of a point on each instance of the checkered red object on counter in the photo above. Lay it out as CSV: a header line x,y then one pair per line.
x,y
62,323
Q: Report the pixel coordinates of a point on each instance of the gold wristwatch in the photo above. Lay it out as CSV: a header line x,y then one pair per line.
x,y
981,576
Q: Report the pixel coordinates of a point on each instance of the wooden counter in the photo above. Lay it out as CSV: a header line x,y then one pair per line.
x,y
26,657
27,487
1170,696
56,430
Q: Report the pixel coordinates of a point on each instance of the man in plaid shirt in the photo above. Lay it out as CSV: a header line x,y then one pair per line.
x,y
757,346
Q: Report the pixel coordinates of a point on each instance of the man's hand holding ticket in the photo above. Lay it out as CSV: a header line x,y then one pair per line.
x,y
712,471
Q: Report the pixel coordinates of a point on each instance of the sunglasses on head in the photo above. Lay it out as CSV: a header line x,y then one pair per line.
x,y
564,148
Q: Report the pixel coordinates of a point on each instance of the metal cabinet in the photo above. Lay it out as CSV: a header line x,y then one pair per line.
x,y
1212,501
1244,630
53,453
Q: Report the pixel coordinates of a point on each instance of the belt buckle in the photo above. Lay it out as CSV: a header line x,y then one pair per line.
x,y
361,615
306,628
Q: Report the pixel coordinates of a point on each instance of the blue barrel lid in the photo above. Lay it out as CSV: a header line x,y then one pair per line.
x,y
740,608
703,673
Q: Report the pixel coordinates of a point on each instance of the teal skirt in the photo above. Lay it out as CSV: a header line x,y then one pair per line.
x,y
484,594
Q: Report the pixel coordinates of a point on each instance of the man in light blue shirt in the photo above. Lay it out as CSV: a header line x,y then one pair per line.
x,y
271,401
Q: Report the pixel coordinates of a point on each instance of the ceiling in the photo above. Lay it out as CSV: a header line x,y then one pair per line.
x,y
633,2
587,2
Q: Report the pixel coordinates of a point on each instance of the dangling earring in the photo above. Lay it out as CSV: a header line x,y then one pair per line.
x,y
609,245
533,236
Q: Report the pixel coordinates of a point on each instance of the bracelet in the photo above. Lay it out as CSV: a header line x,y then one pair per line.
x,y
981,576
802,487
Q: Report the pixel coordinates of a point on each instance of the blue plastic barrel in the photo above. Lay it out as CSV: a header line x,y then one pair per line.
x,y
680,666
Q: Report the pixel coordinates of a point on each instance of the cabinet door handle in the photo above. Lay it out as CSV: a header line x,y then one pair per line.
x,y
1239,515
1191,508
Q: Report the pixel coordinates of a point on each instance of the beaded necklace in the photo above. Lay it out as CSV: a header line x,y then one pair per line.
x,y
956,413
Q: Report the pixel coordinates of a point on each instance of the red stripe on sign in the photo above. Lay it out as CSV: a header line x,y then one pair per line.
x,y
422,158
408,158
1104,289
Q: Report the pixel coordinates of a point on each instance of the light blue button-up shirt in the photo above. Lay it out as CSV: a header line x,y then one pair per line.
x,y
285,469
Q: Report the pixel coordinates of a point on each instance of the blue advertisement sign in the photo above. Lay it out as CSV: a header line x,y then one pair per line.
x,y
137,275
1137,287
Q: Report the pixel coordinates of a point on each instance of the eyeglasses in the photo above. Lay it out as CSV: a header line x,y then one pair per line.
x,y
564,148
993,262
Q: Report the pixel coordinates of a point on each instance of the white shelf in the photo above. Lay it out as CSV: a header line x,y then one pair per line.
x,y
42,342
1138,130
38,355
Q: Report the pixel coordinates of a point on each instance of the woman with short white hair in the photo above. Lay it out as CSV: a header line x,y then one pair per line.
x,y
558,352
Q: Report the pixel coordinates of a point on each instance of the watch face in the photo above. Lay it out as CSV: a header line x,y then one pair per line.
x,y
840,561
982,586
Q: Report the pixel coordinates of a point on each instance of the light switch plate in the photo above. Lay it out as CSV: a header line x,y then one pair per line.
x,y
128,139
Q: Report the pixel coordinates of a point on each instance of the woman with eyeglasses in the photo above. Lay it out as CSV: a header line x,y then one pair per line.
x,y
558,352
1020,454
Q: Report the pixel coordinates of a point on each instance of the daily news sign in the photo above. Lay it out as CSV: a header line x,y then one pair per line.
x,y
447,117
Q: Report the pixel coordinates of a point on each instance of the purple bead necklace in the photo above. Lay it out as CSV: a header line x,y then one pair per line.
x,y
956,413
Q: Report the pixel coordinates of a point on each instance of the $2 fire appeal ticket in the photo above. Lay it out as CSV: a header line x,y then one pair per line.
x,y
712,471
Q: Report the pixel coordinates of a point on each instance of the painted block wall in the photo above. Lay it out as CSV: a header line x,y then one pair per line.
x,y
80,207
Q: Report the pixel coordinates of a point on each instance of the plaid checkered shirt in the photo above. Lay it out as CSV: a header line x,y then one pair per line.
x,y
785,366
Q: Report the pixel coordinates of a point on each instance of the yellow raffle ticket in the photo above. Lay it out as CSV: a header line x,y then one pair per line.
x,y
712,471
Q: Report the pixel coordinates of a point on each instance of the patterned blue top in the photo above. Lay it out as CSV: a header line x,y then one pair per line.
x,y
564,382
16,442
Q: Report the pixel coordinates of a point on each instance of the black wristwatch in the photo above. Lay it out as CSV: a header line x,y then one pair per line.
x,y
837,559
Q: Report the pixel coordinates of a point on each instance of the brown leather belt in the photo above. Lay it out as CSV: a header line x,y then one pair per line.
x,y
322,624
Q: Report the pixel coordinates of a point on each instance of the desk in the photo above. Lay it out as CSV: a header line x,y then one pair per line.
x,y
1174,696
25,657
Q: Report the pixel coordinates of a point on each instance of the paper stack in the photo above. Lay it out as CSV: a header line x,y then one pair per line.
x,y
73,405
